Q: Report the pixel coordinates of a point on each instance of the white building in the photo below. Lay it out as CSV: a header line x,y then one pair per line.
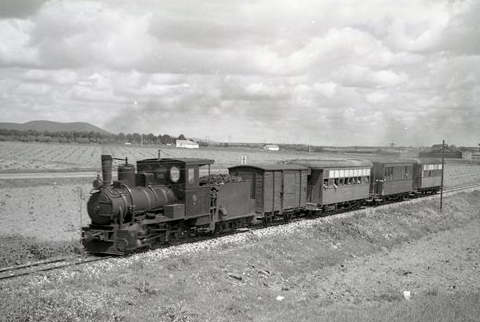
x,y
271,147
186,144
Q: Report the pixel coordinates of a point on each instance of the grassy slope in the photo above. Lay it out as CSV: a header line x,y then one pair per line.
x,y
18,250
242,281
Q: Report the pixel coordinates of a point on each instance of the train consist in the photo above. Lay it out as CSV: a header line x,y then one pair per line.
x,y
164,200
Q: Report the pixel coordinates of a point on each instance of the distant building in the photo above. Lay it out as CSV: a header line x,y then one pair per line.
x,y
436,152
467,155
271,147
476,157
186,144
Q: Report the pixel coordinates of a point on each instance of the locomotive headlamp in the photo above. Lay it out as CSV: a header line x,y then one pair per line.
x,y
97,184
174,174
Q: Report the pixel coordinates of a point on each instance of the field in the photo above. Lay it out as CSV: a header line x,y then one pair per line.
x,y
339,269
46,157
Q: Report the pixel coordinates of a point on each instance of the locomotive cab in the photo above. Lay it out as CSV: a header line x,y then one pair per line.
x,y
182,177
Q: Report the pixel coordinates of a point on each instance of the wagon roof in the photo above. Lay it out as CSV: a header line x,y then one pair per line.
x,y
187,161
270,167
335,163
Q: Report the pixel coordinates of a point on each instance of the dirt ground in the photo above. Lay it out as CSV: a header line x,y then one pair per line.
x,y
48,213
445,262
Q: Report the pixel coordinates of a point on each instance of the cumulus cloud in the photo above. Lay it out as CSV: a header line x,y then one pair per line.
x,y
19,8
299,72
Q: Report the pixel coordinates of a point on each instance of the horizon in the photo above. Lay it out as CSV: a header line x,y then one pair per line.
x,y
248,142
306,72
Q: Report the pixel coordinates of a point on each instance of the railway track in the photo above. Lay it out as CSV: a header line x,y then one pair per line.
x,y
48,265
461,187
43,266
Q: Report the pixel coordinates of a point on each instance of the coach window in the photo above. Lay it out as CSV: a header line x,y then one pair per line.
x,y
396,173
191,175
325,183
336,182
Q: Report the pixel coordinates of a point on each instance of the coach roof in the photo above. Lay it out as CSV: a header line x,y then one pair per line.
x,y
335,163
425,160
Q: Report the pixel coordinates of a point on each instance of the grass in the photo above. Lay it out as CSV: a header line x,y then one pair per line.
x,y
432,307
275,278
17,250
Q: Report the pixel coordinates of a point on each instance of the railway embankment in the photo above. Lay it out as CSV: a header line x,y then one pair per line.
x,y
405,261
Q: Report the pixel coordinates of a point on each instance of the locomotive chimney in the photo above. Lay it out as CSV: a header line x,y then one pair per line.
x,y
107,162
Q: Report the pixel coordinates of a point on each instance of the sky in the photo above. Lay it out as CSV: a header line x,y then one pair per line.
x,y
319,72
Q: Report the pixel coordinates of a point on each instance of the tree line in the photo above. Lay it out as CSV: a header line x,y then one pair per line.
x,y
87,137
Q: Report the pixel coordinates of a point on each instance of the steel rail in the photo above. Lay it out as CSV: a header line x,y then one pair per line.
x,y
12,272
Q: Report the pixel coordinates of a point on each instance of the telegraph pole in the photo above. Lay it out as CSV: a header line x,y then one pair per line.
x,y
443,166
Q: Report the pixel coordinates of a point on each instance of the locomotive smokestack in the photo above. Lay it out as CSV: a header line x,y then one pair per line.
x,y
107,162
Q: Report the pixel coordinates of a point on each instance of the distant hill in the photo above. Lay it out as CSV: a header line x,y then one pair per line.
x,y
50,126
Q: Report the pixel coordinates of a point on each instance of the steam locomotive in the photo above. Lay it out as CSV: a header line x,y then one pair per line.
x,y
164,200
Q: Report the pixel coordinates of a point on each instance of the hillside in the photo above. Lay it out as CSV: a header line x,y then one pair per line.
x,y
50,126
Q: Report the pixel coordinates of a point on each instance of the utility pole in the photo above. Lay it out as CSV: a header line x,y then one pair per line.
x,y
443,166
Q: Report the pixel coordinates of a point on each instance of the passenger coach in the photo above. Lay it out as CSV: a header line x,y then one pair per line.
x,y
391,179
427,175
337,184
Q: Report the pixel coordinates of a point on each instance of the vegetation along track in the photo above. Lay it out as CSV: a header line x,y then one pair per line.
x,y
48,265
461,187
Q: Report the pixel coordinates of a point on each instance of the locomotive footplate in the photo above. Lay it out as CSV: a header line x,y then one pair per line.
x,y
111,241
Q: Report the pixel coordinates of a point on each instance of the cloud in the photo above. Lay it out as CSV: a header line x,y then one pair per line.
x,y
19,8
15,46
279,71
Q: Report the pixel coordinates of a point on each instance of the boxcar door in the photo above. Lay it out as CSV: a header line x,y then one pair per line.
x,y
289,190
